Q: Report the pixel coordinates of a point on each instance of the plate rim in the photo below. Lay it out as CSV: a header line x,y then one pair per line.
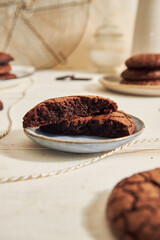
x,y
110,140
104,80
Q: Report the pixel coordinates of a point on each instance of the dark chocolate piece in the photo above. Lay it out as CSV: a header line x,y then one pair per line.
x,y
72,77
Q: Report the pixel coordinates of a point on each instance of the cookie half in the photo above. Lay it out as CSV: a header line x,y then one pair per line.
x,y
7,76
56,110
115,124
133,207
137,75
149,60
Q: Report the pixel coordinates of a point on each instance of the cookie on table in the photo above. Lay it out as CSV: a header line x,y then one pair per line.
x,y
142,82
60,109
115,124
1,105
7,76
138,75
133,207
5,58
148,60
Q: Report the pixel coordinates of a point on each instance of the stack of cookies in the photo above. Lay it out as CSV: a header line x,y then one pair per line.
x,y
5,67
80,115
142,69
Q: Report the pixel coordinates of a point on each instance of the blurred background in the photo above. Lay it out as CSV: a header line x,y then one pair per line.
x,y
122,14
66,34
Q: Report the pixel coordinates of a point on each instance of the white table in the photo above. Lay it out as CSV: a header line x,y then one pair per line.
x,y
72,205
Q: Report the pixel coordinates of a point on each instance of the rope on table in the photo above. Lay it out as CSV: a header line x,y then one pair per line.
x,y
76,167
4,134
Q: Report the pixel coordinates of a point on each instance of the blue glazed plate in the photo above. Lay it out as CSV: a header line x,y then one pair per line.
x,y
82,144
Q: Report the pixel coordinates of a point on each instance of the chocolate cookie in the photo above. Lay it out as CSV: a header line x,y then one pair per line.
x,y
133,207
5,58
147,60
1,105
142,82
138,75
115,124
56,110
4,68
7,76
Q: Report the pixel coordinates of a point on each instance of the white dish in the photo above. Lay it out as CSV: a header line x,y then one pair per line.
x,y
113,83
82,144
22,73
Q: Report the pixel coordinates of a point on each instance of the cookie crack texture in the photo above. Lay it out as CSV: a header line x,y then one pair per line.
x,y
133,207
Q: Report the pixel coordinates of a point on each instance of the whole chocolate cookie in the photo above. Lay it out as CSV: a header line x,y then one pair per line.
x,y
136,75
1,105
115,124
56,110
133,207
142,82
148,60
7,76
4,68
5,58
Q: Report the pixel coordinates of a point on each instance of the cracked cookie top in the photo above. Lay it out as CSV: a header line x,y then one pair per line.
x,y
133,208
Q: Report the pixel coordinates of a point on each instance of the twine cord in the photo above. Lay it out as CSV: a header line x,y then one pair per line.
x,y
76,167
9,128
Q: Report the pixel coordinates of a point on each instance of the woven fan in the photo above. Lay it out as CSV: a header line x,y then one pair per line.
x,y
42,33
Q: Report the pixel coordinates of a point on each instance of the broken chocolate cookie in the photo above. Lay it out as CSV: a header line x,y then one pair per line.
x,y
56,110
115,124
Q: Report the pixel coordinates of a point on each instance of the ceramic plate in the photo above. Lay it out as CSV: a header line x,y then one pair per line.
x,y
82,144
113,83
22,73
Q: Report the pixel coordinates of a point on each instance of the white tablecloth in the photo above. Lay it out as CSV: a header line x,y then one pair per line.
x,y
71,205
